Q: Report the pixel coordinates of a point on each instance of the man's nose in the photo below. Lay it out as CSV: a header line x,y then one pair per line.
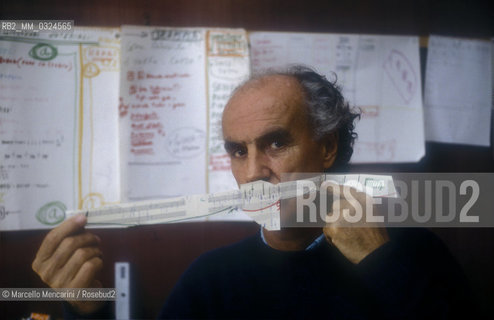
x,y
257,167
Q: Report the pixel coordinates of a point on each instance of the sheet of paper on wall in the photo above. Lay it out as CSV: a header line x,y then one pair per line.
x,y
379,74
228,66
174,84
58,125
458,91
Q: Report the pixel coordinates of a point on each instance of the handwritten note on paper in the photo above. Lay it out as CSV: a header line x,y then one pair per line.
x,y
458,91
163,112
51,107
100,177
379,74
228,65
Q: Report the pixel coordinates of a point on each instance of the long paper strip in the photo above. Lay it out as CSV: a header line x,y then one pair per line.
x,y
260,200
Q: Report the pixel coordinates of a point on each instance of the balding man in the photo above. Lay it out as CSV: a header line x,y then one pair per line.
x,y
278,123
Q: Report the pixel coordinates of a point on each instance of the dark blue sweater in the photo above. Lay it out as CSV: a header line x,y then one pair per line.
x,y
412,276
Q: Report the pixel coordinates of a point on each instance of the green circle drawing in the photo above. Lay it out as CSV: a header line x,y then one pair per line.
x,y
51,213
43,52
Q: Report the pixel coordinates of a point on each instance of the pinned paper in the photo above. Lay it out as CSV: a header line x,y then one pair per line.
x,y
379,74
58,124
458,91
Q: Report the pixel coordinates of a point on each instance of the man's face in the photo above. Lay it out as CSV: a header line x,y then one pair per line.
x,y
267,132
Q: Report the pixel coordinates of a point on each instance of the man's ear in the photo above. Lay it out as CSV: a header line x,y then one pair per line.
x,y
330,149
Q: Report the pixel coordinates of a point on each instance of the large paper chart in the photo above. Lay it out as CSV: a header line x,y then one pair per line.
x,y
58,125
379,74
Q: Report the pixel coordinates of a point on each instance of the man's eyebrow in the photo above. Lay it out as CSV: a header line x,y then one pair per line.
x,y
230,145
275,135
278,134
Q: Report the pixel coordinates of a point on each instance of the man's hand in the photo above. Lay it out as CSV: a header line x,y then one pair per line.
x,y
69,257
358,241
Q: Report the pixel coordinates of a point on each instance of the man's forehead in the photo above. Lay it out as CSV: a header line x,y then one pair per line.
x,y
263,104
277,83
275,92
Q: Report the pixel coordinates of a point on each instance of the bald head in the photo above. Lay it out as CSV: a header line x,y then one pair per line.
x,y
268,95
275,81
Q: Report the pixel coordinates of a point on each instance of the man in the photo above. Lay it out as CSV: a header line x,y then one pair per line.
x,y
288,122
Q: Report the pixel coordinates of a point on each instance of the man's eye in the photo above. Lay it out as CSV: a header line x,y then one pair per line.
x,y
238,153
235,150
277,145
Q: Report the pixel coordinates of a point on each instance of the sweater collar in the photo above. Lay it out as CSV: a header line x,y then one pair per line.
x,y
311,246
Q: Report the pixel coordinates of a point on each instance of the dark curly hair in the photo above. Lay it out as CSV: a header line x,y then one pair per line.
x,y
328,111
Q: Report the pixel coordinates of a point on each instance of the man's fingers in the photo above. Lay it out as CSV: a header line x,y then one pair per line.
x,y
333,230
57,235
87,273
87,307
338,191
329,231
70,245
70,258
52,270
72,267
